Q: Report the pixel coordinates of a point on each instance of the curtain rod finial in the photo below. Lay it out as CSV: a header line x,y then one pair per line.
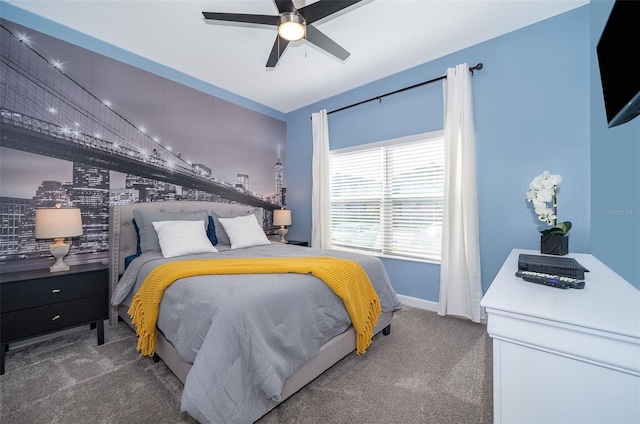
x,y
476,68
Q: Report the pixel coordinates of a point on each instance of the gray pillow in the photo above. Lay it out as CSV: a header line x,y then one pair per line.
x,y
148,236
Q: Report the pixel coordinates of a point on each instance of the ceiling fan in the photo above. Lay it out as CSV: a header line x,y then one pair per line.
x,y
293,24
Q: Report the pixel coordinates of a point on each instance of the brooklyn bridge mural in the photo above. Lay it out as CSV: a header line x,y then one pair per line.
x,y
84,130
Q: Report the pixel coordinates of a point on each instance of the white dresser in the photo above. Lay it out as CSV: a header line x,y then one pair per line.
x,y
564,355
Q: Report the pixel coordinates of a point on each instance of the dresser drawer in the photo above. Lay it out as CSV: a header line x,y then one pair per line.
x,y
52,289
34,321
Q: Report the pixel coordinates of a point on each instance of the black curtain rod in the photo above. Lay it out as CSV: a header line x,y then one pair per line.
x,y
478,67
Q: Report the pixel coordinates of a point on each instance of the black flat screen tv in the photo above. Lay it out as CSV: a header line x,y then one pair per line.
x,y
619,59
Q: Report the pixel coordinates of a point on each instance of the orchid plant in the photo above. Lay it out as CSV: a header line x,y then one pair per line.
x,y
542,191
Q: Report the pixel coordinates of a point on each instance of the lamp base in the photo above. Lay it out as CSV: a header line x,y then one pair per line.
x,y
283,232
59,266
59,249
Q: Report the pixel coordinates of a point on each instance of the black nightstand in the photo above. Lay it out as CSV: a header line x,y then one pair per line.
x,y
37,302
298,243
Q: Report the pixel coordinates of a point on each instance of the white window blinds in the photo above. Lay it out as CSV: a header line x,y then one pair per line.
x,y
386,198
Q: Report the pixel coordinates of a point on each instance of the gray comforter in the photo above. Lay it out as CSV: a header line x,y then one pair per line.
x,y
246,334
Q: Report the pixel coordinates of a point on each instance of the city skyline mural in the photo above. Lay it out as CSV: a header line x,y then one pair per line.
x,y
85,130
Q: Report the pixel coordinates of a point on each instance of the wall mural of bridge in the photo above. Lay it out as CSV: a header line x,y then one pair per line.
x,y
84,130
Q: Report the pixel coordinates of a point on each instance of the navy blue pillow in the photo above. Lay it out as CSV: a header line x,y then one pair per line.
x,y
211,232
138,249
128,259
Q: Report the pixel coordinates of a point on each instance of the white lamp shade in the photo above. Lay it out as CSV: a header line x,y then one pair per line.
x,y
52,223
282,217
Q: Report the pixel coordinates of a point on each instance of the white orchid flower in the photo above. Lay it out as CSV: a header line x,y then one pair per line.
x,y
539,205
555,179
542,190
531,195
545,195
536,184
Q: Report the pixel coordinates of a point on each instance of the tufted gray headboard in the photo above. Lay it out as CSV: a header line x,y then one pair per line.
x,y
122,234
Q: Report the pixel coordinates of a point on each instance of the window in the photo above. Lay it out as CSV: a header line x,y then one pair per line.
x,y
387,197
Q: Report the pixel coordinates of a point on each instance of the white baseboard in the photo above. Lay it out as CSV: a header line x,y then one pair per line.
x,y
428,305
418,303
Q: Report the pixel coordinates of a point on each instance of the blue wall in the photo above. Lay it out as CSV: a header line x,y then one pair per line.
x,y
615,174
531,104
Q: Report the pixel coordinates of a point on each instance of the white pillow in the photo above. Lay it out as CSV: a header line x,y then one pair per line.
x,y
179,238
244,231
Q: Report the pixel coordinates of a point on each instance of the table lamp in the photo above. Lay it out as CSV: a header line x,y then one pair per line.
x,y
282,217
58,223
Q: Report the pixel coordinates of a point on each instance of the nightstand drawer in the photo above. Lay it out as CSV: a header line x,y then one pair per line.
x,y
52,289
34,321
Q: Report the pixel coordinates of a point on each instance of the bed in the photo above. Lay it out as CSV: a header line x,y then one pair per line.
x,y
210,351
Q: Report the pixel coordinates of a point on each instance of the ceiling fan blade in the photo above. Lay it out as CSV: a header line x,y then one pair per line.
x,y
241,17
316,37
315,11
284,6
276,52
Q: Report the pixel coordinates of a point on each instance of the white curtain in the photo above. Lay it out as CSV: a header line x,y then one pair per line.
x,y
460,282
321,190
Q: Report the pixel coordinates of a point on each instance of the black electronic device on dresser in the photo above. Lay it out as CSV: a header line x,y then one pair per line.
x,y
37,302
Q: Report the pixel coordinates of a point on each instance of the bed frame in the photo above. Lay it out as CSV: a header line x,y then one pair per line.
x,y
122,243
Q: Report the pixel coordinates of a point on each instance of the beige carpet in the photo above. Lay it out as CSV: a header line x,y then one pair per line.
x,y
430,369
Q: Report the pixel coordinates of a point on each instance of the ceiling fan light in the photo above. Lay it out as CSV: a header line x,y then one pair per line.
x,y
291,27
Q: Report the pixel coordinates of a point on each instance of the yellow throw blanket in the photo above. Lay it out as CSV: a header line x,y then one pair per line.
x,y
346,278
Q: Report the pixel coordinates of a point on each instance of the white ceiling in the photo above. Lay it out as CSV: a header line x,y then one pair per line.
x,y
383,37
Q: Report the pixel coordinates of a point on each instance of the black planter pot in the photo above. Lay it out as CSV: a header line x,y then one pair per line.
x,y
553,244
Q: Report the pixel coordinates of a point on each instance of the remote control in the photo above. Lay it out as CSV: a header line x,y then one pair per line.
x,y
550,280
